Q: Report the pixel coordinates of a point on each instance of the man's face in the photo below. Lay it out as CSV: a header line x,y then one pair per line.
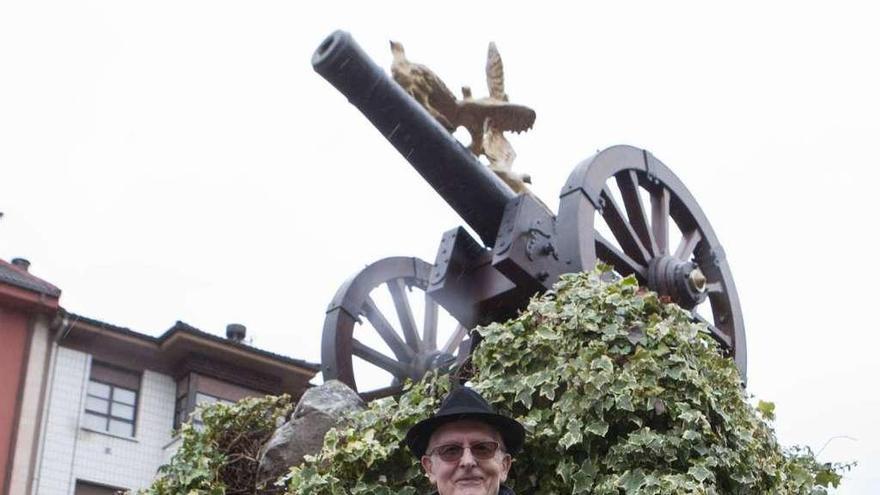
x,y
467,475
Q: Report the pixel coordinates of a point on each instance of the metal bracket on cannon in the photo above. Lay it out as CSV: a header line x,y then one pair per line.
x,y
525,249
478,285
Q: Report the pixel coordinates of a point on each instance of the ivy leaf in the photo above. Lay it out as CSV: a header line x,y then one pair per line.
x,y
598,428
690,435
700,473
548,390
565,469
571,438
524,396
547,334
582,480
767,410
602,363
624,403
828,477
631,481
636,335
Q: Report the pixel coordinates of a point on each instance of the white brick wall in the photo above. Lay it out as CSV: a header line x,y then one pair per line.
x,y
72,453
55,473
171,449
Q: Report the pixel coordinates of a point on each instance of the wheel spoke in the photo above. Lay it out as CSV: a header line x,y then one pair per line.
x,y
714,288
660,218
382,392
622,229
375,357
689,241
386,331
628,183
397,288
455,339
719,335
464,351
624,265
429,337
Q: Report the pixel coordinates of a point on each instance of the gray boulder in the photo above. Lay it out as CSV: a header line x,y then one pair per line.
x,y
319,409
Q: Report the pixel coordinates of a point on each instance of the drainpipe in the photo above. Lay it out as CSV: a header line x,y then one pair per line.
x,y
61,326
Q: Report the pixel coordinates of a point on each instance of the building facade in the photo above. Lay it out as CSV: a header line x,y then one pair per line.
x,y
97,406
28,307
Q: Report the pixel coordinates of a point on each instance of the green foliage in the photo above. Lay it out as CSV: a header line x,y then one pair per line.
x,y
220,457
367,456
620,394
767,410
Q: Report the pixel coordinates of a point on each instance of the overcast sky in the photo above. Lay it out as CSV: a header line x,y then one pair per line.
x,y
181,160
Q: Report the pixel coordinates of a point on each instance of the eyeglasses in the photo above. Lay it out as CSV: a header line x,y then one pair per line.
x,y
453,452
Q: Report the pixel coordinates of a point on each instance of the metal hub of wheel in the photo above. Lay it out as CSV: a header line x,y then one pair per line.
x,y
356,326
430,360
682,281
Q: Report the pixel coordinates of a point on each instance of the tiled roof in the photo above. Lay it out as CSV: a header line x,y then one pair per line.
x,y
180,326
18,277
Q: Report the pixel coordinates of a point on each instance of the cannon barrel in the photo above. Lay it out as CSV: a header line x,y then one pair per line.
x,y
470,188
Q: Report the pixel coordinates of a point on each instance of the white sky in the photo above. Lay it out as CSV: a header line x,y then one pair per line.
x,y
181,160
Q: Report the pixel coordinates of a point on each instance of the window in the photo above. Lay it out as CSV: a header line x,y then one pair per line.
x,y
183,413
205,399
111,400
86,488
181,409
195,389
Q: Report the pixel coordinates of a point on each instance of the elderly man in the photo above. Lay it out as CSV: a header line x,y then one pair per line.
x,y
466,447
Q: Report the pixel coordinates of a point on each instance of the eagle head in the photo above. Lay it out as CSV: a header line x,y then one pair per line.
x,y
397,49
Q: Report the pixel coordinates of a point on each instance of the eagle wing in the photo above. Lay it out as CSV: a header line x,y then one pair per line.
x,y
439,97
505,116
495,73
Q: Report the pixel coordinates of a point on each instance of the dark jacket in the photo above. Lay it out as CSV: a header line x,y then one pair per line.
x,y
501,491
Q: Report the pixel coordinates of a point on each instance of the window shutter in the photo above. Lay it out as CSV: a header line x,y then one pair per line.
x,y
116,376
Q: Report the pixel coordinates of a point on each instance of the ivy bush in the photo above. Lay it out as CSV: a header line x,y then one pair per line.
x,y
220,456
619,392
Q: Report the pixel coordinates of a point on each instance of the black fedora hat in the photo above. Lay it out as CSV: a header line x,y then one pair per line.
x,y
465,403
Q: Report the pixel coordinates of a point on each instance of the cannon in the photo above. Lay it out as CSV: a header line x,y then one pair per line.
x,y
621,206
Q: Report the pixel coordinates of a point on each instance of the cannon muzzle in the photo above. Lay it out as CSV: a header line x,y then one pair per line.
x,y
470,188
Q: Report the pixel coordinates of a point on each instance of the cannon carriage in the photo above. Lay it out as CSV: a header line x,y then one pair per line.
x,y
621,206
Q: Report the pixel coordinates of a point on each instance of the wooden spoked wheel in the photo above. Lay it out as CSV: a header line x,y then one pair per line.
x,y
360,332
626,208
